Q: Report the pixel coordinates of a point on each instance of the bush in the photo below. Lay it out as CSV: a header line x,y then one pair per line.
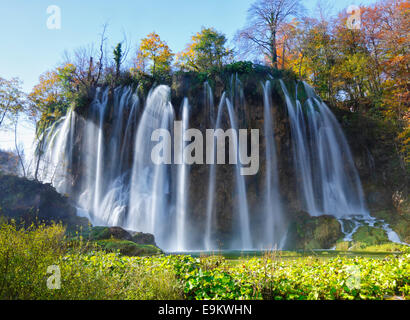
x,y
86,271
89,273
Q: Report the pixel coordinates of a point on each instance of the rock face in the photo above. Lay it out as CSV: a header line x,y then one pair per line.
x,y
143,238
31,201
104,233
8,163
370,236
306,232
384,175
128,243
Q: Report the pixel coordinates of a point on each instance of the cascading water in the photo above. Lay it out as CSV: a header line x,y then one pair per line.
x,y
329,180
149,181
245,232
210,209
330,183
182,189
103,160
58,144
274,226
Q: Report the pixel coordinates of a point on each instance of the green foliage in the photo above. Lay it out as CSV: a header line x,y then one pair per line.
x,y
12,99
117,58
128,248
206,51
25,255
370,235
89,273
307,278
155,56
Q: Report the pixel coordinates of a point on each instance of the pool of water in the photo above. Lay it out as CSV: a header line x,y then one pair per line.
x,y
243,254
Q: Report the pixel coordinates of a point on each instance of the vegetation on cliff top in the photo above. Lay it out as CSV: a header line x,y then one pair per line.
x,y
360,68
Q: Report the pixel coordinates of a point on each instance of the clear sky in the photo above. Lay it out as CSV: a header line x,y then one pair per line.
x,y
28,48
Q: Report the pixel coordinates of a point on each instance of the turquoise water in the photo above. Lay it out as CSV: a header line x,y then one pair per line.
x,y
237,254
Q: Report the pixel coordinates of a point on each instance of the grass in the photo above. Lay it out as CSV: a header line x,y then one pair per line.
x,y
88,272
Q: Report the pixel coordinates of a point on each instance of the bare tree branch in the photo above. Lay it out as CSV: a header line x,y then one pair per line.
x,y
265,19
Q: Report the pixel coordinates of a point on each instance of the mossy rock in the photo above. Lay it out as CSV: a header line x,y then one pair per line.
x,y
143,238
128,248
306,232
370,236
398,220
104,233
117,239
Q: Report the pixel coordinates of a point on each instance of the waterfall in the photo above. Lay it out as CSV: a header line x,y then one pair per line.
x,y
245,233
274,227
102,156
182,188
210,208
328,179
58,141
149,181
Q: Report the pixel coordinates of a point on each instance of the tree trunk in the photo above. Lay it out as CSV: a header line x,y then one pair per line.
x,y
273,51
17,148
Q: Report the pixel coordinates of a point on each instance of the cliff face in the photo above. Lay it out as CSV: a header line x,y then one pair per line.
x,y
28,201
374,156
8,163
382,171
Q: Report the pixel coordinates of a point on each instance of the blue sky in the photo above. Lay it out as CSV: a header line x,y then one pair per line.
x,y
28,48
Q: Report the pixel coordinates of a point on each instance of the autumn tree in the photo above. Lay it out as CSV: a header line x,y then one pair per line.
x,y
155,55
49,100
12,98
206,50
51,97
265,20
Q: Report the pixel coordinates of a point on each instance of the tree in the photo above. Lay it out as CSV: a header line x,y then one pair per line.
x,y
51,97
120,55
12,98
155,53
87,64
207,50
265,20
117,59
19,149
49,100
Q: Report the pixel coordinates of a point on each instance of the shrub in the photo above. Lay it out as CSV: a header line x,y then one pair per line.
x,y
86,271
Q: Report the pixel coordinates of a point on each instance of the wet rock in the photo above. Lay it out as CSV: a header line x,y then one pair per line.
x,y
143,238
370,236
28,201
306,232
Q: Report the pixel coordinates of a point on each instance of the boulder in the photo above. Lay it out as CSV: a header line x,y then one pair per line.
x,y
143,238
104,233
126,242
370,236
128,248
306,232
28,201
8,163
